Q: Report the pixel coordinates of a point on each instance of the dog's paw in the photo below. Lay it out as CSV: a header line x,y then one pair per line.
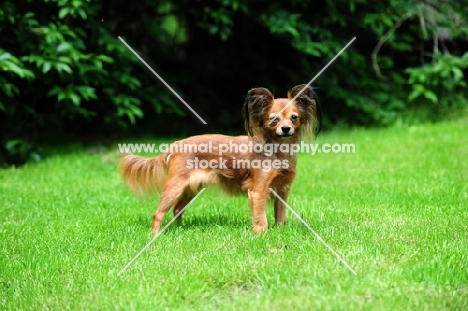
x,y
260,229
154,230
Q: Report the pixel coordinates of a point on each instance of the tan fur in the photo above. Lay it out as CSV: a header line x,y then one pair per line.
x,y
169,173
143,174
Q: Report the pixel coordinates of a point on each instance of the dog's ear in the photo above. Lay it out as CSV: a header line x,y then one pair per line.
x,y
257,101
309,106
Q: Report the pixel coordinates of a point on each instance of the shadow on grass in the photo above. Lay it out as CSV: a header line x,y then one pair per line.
x,y
203,221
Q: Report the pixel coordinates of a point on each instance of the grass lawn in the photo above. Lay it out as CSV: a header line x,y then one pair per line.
x,y
396,210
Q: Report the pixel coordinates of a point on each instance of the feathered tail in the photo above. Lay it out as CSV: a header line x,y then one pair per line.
x,y
143,174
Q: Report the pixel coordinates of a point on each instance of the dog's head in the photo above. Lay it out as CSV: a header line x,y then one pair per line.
x,y
282,118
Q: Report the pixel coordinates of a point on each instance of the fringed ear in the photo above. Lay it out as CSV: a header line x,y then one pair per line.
x,y
309,106
257,101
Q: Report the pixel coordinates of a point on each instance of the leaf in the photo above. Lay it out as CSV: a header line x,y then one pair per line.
x,y
131,117
63,67
35,157
10,89
420,88
431,96
5,56
457,74
86,92
13,65
414,94
62,95
64,12
77,3
293,31
64,46
46,67
105,58
76,100
82,13
14,144
97,64
65,59
137,111
444,73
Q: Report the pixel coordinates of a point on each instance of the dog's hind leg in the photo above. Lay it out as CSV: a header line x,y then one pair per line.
x,y
172,191
181,202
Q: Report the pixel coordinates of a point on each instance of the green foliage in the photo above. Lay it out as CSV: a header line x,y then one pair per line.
x,y
374,97
71,73
440,82
218,20
67,71
19,152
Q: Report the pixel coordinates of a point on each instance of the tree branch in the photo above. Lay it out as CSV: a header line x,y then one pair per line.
x,y
384,39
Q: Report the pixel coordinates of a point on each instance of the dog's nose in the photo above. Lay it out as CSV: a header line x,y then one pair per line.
x,y
285,129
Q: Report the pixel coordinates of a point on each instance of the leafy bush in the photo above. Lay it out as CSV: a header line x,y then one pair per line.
x,y
439,82
71,75
68,71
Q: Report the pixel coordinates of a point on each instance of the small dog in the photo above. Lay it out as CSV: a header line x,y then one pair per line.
x,y
237,164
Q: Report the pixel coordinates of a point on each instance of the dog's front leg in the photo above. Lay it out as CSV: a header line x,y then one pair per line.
x,y
257,201
280,208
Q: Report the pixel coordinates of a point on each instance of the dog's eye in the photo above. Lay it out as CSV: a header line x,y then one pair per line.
x,y
274,119
294,118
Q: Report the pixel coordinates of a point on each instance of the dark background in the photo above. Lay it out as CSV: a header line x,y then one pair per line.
x,y
65,75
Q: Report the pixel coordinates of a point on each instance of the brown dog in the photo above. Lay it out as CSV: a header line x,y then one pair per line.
x,y
244,164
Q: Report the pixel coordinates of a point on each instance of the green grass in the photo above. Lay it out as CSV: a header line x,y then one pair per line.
x,y
397,211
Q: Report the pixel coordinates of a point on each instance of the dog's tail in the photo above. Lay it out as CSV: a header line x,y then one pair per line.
x,y
143,174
